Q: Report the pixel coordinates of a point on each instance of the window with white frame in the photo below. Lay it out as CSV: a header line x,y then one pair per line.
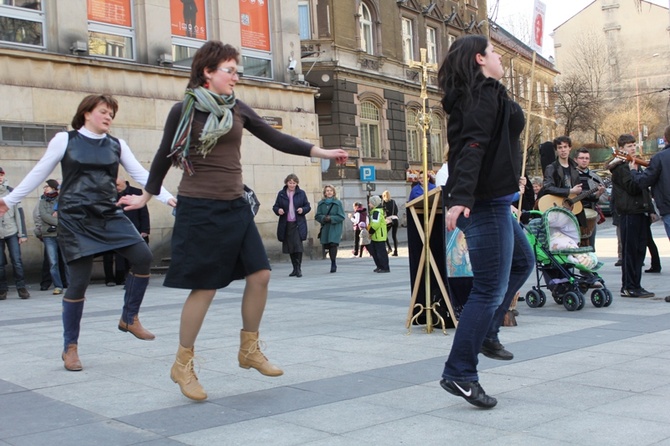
x,y
436,138
304,20
540,96
407,40
370,121
22,22
110,29
365,22
412,131
431,44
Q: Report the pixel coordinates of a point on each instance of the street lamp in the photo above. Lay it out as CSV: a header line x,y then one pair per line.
x,y
637,96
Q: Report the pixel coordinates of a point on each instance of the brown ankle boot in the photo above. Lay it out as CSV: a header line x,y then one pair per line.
x,y
250,355
136,329
71,359
183,374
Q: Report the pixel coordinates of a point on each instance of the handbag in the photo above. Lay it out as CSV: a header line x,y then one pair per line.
x,y
252,199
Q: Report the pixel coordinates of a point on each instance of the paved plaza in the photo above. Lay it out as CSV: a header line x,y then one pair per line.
x,y
353,374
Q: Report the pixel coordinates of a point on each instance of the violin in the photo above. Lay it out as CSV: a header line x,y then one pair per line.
x,y
625,156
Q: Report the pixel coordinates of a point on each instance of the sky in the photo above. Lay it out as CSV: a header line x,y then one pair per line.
x,y
512,14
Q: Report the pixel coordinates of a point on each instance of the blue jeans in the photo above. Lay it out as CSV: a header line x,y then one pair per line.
x,y
12,243
496,244
666,223
51,247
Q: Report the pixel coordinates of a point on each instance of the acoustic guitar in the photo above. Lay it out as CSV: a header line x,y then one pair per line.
x,y
625,156
571,203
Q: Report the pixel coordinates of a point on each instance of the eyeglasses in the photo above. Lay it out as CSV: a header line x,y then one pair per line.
x,y
231,71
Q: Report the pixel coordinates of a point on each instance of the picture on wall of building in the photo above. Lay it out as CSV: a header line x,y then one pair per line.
x,y
188,19
255,25
113,12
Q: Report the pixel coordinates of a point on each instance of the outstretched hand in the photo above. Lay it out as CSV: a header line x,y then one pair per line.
x,y
339,155
131,202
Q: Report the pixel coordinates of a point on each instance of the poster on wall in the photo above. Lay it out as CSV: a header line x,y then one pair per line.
x,y
114,12
187,19
255,24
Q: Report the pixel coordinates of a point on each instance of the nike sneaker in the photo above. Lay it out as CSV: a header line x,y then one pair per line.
x,y
472,392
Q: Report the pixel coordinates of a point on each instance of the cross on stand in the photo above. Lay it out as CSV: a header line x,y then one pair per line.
x,y
423,123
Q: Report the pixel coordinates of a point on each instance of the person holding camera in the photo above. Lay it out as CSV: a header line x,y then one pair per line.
x,y
48,211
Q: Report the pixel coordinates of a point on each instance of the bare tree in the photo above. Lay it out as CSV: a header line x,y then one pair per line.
x,y
574,103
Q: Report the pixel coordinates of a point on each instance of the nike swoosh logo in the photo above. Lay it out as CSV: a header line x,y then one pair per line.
x,y
468,393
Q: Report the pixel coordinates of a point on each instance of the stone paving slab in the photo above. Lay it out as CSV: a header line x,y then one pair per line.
x,y
353,374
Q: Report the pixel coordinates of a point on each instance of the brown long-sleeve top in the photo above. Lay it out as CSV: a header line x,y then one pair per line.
x,y
218,176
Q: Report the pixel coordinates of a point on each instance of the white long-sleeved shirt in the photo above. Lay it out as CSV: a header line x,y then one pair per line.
x,y
55,153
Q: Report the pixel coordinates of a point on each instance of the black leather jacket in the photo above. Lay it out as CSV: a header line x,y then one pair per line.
x,y
629,198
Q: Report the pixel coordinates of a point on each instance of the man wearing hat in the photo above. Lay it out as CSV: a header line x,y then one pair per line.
x,y
378,235
48,212
12,234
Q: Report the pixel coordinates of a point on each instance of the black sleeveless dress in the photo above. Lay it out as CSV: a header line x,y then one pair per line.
x,y
89,222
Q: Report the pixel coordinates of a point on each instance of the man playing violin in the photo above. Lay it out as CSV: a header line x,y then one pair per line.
x,y
633,203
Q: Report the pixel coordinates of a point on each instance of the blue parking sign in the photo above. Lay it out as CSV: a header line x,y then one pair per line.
x,y
367,173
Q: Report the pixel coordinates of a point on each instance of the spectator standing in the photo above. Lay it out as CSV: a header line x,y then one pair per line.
x,y
48,212
391,212
330,213
359,220
291,206
12,235
141,220
378,235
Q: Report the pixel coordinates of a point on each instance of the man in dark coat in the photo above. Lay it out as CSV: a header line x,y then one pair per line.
x,y
141,221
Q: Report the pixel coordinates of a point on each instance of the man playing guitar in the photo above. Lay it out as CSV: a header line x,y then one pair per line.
x,y
561,178
589,181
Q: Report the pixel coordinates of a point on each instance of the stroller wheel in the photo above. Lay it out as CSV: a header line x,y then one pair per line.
x,y
608,300
582,301
598,298
543,298
571,301
558,299
534,299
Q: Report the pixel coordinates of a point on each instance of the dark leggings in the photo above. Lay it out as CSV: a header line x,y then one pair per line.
x,y
393,231
139,255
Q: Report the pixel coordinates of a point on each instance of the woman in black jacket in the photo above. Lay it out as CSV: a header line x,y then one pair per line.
x,y
291,206
484,169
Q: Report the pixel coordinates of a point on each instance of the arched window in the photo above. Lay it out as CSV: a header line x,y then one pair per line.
x,y
365,20
370,142
413,149
436,138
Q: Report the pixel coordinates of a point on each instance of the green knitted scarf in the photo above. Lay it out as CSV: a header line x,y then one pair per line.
x,y
219,122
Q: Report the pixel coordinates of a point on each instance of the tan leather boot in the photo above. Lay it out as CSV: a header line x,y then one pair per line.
x,y
183,374
71,359
250,355
136,329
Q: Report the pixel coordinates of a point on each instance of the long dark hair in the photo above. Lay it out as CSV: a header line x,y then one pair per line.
x,y
209,56
460,73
